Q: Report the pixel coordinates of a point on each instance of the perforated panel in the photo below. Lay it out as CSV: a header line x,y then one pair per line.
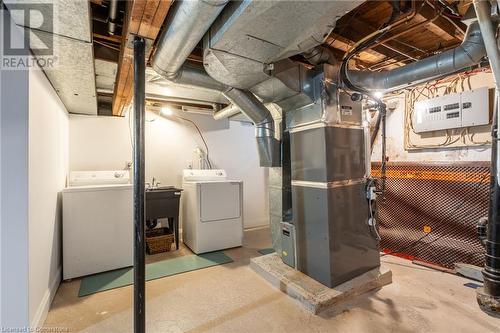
x,y
448,198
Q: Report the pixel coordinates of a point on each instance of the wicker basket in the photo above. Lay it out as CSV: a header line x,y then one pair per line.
x,y
159,240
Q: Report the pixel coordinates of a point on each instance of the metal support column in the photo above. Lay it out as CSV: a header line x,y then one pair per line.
x,y
139,186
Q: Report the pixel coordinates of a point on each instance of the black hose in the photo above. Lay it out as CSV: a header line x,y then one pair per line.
x,y
396,10
491,272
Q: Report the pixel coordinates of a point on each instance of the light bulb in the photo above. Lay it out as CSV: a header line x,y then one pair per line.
x,y
166,111
378,94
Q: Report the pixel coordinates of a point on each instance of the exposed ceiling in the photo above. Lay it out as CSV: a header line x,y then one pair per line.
x,y
426,27
71,35
418,30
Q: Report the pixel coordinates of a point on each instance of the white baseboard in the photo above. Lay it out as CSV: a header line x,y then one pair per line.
x,y
44,306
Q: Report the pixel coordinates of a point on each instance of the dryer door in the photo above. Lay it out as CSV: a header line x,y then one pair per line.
x,y
220,201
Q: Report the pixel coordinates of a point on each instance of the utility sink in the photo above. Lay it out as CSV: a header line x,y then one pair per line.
x,y
161,188
162,202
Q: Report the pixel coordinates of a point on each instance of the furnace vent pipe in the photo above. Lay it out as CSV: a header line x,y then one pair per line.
x,y
185,26
112,16
467,54
488,297
228,111
196,77
267,145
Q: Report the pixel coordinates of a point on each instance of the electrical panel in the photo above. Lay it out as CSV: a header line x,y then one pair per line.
x,y
469,108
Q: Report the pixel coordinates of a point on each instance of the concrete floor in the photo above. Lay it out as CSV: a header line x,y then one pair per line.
x,y
232,298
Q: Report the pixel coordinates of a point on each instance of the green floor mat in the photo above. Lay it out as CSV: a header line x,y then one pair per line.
x,y
123,277
266,251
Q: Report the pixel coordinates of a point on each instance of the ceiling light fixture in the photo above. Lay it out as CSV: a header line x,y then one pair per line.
x,y
166,111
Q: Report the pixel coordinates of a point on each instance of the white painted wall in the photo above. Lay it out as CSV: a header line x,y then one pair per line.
x,y
13,192
103,143
395,137
48,164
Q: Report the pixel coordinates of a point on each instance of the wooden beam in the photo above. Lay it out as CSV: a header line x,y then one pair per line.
x,y
358,29
343,44
395,47
446,28
144,18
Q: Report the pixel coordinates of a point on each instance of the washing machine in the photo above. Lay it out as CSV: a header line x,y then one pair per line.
x,y
97,233
212,211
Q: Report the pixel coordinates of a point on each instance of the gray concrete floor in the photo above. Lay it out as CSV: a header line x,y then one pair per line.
x,y
233,298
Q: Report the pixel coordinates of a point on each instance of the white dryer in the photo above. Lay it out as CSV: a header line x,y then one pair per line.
x,y
212,210
97,222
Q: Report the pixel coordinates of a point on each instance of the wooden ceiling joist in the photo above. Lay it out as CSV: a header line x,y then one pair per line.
x,y
442,26
143,18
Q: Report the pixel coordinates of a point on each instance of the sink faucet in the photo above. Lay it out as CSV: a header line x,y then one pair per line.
x,y
153,184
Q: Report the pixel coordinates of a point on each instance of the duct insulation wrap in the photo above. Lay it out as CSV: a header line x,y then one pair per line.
x,y
468,53
186,23
249,35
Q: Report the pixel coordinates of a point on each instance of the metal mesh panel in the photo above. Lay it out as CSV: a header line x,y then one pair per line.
x,y
449,199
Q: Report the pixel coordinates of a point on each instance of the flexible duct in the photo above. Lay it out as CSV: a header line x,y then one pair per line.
x,y
467,54
186,24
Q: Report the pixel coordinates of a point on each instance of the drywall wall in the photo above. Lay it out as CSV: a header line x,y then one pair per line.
x,y
48,163
395,135
104,143
13,191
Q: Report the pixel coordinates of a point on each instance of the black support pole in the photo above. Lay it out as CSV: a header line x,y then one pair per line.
x,y
139,186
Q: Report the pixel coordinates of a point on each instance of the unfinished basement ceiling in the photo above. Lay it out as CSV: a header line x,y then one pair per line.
x,y
73,75
438,28
435,29
105,75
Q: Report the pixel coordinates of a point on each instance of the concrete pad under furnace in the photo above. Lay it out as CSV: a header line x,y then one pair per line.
x,y
314,296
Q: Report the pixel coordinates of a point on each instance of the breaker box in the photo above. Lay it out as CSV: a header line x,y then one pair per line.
x,y
469,108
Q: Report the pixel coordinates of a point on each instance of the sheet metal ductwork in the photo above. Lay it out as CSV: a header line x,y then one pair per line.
x,y
194,76
112,16
268,146
248,36
228,111
467,54
186,24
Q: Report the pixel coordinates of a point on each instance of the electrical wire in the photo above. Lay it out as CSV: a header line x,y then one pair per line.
x,y
415,243
201,136
431,90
